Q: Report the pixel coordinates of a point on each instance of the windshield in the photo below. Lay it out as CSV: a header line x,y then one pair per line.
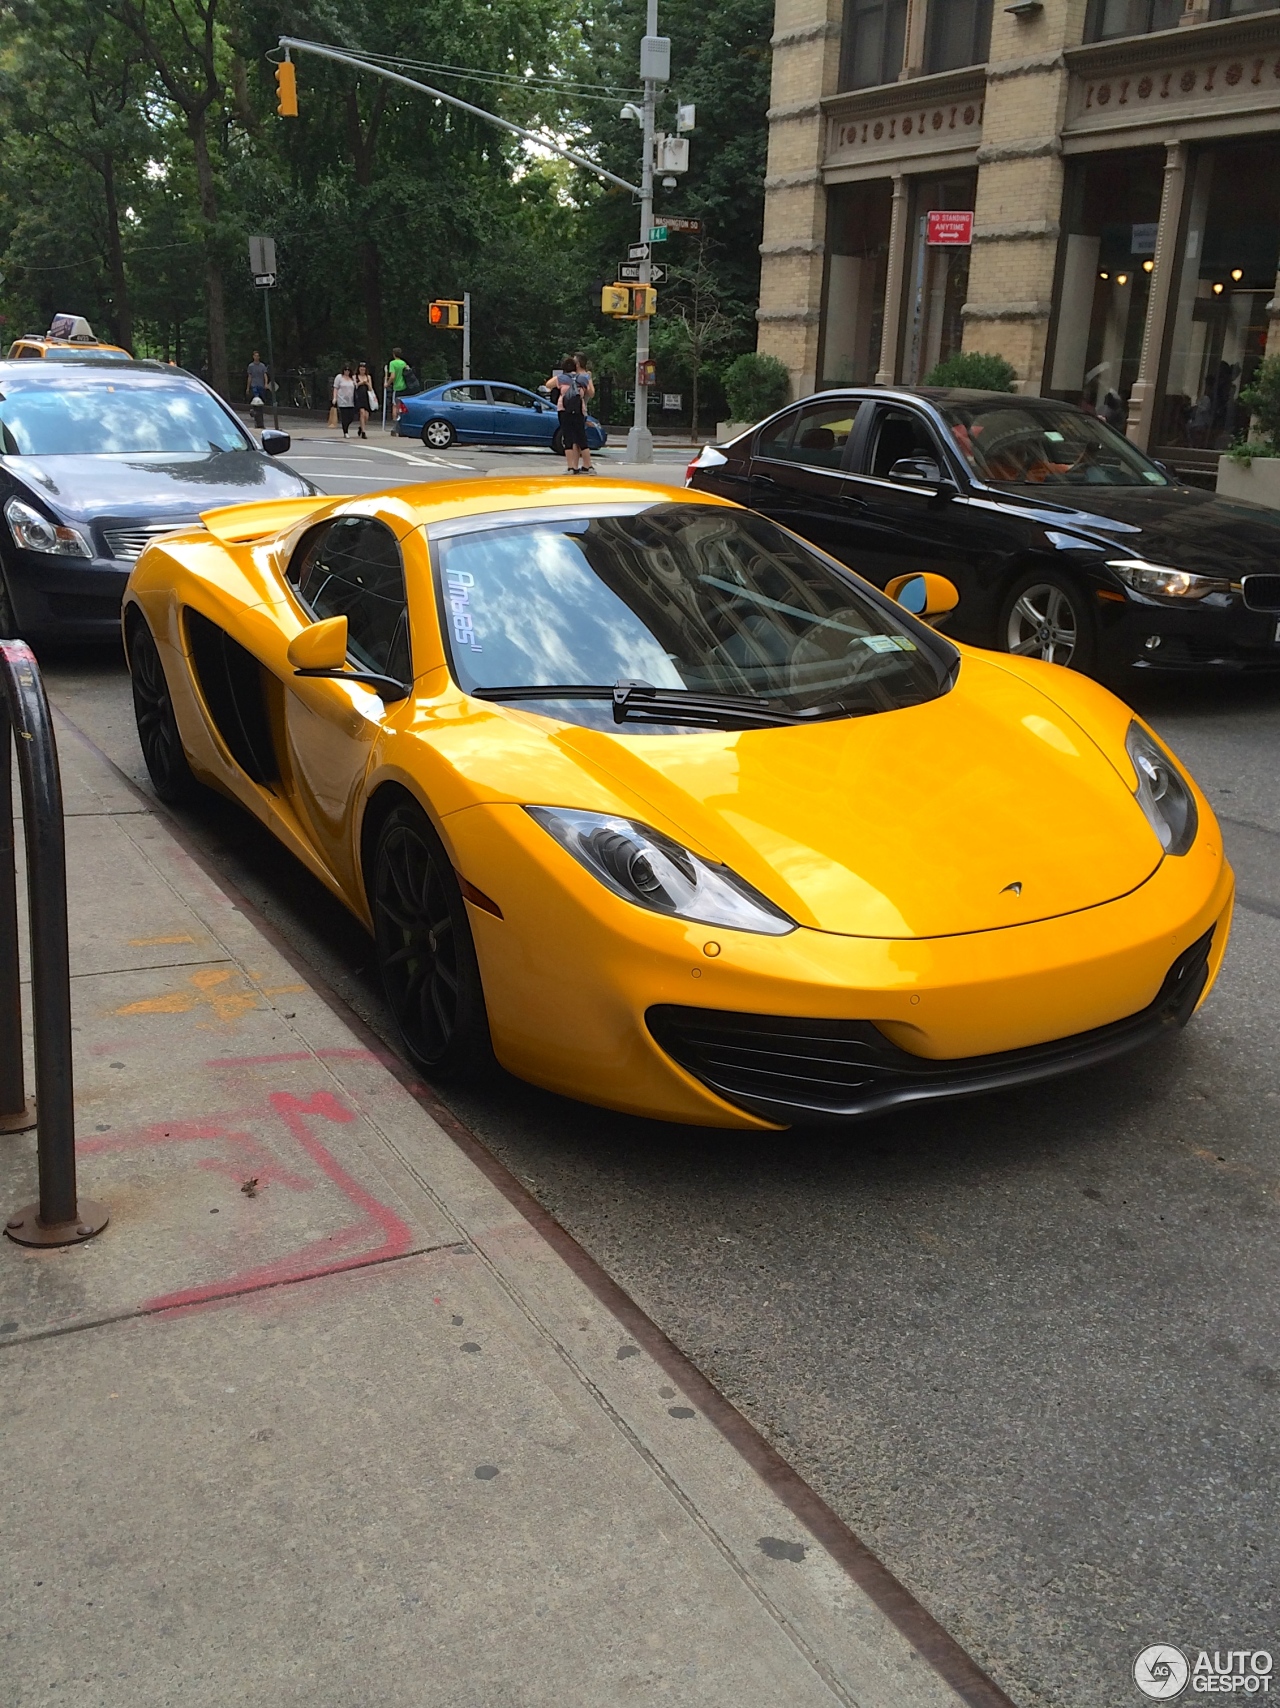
x,y
1010,444
66,417
684,597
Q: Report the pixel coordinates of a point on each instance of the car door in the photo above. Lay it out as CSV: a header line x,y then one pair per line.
x,y
798,474
469,409
518,418
913,524
350,567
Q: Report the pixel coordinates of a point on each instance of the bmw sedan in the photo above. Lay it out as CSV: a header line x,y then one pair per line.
x,y
96,459
1065,542
482,412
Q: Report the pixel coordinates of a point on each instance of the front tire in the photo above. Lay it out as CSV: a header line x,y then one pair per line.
x,y
426,954
158,733
1046,615
438,435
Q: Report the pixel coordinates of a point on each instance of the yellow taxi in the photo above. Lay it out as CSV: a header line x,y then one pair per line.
x,y
68,335
654,802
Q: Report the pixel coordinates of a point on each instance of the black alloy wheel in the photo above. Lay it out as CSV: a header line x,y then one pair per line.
x,y
1046,615
158,732
438,435
425,950
557,443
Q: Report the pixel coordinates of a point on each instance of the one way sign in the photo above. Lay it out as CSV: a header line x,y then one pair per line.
x,y
631,270
638,252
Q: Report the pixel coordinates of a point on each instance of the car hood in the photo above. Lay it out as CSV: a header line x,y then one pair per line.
x,y
1182,526
988,807
153,487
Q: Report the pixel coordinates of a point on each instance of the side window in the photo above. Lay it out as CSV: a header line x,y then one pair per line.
x,y
352,568
899,433
517,399
466,394
774,439
822,432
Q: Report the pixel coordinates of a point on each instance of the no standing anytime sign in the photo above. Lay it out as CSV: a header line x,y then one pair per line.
x,y
949,227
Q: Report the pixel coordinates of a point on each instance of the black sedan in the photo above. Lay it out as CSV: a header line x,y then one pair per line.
x,y
96,458
1065,542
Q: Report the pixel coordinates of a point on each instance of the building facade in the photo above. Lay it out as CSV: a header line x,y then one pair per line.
x,y
1121,160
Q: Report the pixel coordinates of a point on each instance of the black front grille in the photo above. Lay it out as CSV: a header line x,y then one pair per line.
x,y
793,1070
1261,592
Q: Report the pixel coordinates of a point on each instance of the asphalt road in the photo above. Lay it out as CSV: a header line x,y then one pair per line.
x,y
1027,1346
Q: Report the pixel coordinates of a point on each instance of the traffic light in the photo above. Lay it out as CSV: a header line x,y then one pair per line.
x,y
644,302
287,89
629,302
446,313
615,299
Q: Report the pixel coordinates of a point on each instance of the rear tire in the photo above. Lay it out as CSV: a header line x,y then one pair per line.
x,y
438,435
158,733
426,954
1046,615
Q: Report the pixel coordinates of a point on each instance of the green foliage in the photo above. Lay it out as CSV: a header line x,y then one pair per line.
x,y
379,198
1261,397
754,386
969,371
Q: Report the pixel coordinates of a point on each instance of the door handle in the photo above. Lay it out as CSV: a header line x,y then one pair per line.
x,y
764,480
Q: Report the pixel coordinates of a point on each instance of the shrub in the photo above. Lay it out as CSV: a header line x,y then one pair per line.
x,y
973,372
1262,400
755,385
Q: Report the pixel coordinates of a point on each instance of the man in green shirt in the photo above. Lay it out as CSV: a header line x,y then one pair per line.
x,y
393,381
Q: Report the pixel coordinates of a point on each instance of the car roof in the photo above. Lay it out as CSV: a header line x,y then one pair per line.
x,y
106,369
936,394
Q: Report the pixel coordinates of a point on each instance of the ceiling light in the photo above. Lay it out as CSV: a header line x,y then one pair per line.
x,y
1237,273
1104,275
1122,278
1217,290
1148,266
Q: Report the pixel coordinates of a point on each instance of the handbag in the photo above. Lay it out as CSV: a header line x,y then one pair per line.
x,y
333,415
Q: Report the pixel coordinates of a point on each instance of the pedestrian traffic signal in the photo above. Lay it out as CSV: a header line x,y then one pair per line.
x,y
629,302
287,89
615,299
446,313
644,300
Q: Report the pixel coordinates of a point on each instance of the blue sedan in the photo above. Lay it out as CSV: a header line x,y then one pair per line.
x,y
480,412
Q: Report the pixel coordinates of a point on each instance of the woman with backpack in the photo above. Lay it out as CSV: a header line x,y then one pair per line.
x,y
576,390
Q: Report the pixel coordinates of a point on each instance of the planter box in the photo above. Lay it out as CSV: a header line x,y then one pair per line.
x,y
1259,482
731,429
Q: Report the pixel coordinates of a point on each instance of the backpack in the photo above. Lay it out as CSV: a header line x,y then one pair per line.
x,y
574,393
411,383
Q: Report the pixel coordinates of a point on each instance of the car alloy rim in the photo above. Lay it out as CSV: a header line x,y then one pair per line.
x,y
418,943
1042,624
157,726
438,435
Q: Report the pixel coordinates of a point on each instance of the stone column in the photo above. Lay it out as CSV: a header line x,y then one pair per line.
x,y
887,371
1142,399
806,62
1019,197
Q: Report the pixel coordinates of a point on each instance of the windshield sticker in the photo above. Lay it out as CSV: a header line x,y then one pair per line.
x,y
1054,438
889,643
460,582
1153,477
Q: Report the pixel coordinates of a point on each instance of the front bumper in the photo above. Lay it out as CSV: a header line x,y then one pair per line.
x,y
1145,635
572,974
65,598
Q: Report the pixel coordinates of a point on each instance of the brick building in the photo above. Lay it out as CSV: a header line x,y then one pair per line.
x,y
1122,162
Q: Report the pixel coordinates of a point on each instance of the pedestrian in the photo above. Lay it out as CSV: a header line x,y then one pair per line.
x,y
344,397
575,389
366,397
393,381
257,382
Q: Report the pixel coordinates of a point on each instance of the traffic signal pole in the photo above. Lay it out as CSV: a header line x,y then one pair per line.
x,y
640,439
466,335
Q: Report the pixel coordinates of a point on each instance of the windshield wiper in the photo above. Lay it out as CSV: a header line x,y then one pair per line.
x,y
641,702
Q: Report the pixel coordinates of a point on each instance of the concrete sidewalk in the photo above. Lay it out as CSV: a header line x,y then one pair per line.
x,y
331,1414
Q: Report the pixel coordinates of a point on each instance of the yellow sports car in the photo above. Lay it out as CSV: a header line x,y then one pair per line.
x,y
668,811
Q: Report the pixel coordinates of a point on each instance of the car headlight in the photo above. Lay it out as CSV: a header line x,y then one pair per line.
x,y
1164,583
36,533
649,869
1162,793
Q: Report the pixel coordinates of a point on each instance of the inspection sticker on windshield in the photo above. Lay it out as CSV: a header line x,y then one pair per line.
x,y
460,582
889,643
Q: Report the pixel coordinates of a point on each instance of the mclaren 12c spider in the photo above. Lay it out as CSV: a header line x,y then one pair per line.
x,y
666,810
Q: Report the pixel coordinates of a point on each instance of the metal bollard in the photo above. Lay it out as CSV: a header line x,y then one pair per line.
x,y
57,1218
17,1110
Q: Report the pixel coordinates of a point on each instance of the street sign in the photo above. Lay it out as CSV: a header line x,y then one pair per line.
x,y
631,270
949,228
672,400
638,252
657,234
262,256
265,281
678,222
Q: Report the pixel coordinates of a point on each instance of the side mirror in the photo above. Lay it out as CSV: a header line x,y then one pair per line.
x,y
926,596
275,444
323,646
917,471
